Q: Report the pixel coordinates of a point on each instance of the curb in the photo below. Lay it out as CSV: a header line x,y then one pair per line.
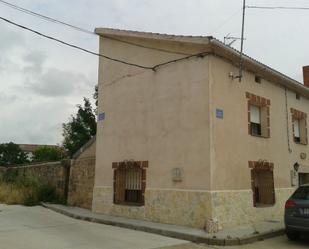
x,y
174,234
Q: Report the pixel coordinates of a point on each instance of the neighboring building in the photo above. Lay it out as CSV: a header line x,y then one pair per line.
x,y
189,144
30,148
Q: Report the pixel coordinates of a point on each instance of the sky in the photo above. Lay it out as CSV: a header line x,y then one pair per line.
x,y
41,81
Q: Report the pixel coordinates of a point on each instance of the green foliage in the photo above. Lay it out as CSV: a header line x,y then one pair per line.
x,y
48,154
11,154
80,129
96,98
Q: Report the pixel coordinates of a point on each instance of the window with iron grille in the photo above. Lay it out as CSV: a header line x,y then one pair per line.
x,y
129,183
263,188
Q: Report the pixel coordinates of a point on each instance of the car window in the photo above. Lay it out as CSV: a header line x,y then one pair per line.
x,y
302,193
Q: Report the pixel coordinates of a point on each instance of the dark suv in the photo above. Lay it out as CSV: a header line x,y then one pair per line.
x,y
296,216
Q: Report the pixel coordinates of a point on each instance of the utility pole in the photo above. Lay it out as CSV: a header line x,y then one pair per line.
x,y
241,62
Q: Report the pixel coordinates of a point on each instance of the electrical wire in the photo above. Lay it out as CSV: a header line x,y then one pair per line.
x,y
46,18
142,46
225,21
73,46
154,68
277,7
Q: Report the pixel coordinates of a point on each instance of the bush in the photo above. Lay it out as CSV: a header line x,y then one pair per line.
x,y
48,154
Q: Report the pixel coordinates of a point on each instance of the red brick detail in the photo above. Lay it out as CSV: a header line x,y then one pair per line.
x,y
130,164
262,164
306,75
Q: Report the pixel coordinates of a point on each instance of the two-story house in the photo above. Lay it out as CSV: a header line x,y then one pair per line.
x,y
181,141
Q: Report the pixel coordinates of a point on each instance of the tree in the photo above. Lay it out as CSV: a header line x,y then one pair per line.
x,y
11,154
80,129
48,154
96,98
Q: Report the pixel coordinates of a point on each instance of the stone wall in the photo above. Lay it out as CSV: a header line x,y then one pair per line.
x,y
55,174
82,176
234,208
194,208
180,207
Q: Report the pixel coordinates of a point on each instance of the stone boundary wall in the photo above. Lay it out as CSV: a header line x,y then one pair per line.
x,y
73,179
82,175
55,174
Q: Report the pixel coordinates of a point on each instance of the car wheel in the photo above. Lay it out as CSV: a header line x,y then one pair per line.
x,y
292,235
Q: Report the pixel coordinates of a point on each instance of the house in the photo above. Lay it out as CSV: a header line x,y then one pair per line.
x,y
181,141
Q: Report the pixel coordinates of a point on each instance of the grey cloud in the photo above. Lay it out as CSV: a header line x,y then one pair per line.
x,y
10,40
35,61
56,82
7,99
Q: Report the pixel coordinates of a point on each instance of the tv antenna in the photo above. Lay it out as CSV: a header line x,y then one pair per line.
x,y
229,40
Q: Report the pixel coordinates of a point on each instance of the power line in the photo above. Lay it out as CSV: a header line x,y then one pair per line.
x,y
73,46
225,21
142,46
198,55
46,18
277,7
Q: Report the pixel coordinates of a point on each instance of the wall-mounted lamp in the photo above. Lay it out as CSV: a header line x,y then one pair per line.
x,y
296,166
231,75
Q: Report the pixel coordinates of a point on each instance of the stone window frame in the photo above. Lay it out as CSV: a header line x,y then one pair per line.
x,y
260,166
264,105
302,117
119,198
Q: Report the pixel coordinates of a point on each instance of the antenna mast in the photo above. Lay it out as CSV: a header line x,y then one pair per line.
x,y
241,62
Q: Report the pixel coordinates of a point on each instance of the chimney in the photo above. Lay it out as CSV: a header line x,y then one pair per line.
x,y
306,75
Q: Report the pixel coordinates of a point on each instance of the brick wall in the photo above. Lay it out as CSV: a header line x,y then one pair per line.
x,y
82,176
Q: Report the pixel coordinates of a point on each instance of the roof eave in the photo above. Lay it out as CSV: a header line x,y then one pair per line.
x,y
117,33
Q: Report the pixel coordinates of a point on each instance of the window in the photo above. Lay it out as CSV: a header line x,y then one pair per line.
x,y
297,131
129,182
258,116
297,95
255,120
262,179
299,120
258,79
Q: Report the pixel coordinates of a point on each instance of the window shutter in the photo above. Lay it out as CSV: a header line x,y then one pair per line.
x,y
296,128
255,114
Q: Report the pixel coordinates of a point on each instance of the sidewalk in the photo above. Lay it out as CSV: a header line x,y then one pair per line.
x,y
233,236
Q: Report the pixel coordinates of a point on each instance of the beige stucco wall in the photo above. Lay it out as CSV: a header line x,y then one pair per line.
x,y
160,117
168,117
233,147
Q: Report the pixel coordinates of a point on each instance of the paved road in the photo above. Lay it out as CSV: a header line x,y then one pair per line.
x,y
40,228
